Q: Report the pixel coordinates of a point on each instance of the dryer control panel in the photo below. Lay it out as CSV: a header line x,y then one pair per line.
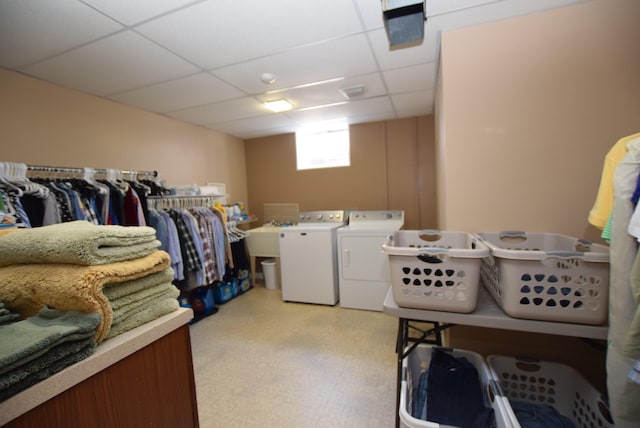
x,y
376,216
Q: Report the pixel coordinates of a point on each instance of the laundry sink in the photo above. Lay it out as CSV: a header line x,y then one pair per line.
x,y
264,241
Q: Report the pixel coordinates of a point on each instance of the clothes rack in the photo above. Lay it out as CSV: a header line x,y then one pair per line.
x,y
179,201
73,170
212,248
38,195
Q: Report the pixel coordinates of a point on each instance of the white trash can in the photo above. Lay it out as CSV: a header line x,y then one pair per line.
x,y
270,274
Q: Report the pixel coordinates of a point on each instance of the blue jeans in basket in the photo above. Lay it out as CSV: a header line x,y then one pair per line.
x,y
539,415
454,393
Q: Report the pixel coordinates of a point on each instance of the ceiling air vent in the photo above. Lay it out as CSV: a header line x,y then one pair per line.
x,y
352,91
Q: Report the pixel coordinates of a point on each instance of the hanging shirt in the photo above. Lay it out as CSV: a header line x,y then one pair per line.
x,y
192,225
173,246
623,395
63,201
206,234
187,248
220,242
603,205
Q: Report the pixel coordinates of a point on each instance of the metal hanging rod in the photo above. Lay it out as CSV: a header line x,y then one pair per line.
x,y
214,197
180,201
70,170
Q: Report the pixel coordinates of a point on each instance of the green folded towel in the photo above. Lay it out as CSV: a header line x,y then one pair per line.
x,y
154,309
126,305
9,318
6,316
77,242
45,366
119,290
28,339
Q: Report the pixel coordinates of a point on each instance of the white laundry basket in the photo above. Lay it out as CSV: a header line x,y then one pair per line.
x,y
434,269
557,385
418,361
546,276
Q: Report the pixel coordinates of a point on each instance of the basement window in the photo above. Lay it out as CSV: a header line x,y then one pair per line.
x,y
323,145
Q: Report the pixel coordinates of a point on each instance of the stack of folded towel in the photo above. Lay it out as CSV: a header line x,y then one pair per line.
x,y
6,316
141,300
114,271
32,350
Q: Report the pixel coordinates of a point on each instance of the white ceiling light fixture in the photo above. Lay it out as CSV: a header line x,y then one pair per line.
x,y
352,91
278,106
304,85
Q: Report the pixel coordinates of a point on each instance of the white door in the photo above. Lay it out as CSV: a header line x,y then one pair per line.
x,y
308,266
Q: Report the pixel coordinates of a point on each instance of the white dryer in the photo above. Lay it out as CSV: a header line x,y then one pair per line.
x,y
364,275
308,258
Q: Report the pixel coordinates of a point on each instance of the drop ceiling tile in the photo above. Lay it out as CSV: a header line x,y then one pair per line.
x,y
365,107
494,11
410,79
315,63
222,112
245,128
370,13
247,135
31,30
237,41
328,92
132,12
198,89
414,103
205,36
436,7
389,59
113,64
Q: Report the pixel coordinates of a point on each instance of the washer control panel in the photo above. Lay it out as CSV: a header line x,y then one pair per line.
x,y
333,216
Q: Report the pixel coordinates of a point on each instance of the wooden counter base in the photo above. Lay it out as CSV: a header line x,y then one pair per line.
x,y
153,386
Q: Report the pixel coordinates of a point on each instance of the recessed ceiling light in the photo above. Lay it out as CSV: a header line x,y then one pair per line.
x,y
278,106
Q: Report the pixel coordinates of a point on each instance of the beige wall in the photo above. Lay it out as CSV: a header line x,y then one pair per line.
x,y
44,124
391,168
528,108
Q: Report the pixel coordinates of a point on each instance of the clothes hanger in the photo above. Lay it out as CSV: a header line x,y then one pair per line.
x,y
6,182
89,177
133,178
19,178
114,176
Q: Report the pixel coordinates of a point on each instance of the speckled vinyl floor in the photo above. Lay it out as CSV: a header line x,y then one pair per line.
x,y
260,362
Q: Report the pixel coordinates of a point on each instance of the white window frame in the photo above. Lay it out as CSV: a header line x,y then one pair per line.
x,y
323,145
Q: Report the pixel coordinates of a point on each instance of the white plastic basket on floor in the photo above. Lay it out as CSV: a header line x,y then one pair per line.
x,y
418,361
555,384
433,269
546,276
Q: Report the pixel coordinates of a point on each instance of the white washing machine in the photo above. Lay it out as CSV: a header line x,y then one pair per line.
x,y
364,275
308,258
